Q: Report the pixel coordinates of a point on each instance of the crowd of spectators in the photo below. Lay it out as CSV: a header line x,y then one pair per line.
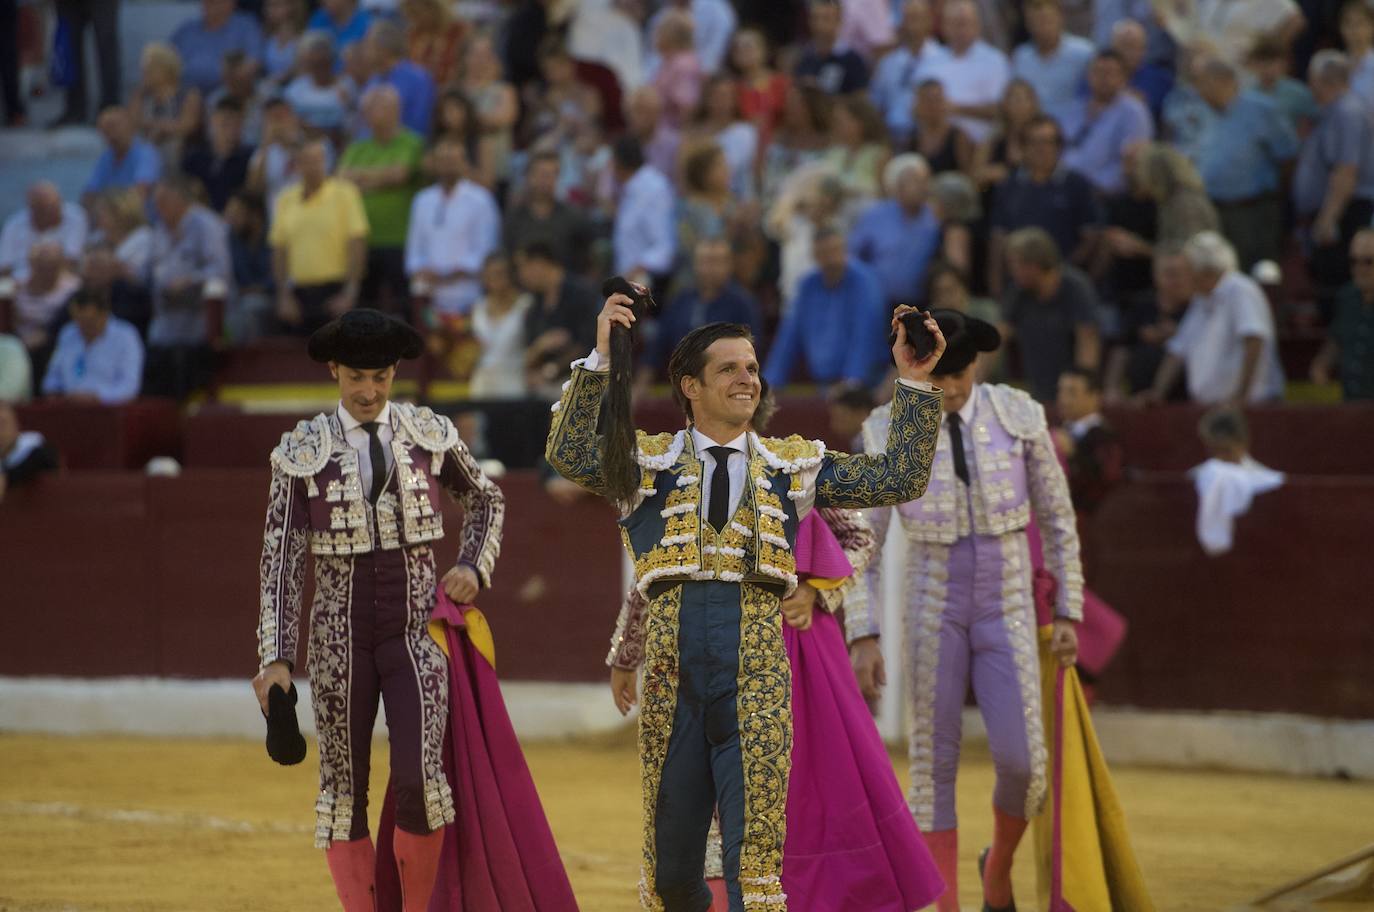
x,y
1130,190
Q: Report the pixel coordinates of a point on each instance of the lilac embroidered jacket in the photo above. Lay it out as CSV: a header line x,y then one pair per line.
x,y
1016,474
317,504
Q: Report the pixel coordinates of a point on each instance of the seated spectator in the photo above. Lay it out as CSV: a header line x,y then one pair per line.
x,y
814,198
643,240
974,74
386,170
1147,324
283,24
717,120
190,249
203,42
823,64
121,220
1357,34
558,102
1349,347
497,108
849,407
858,150
221,162
319,244
386,50
560,326
24,455
800,140
999,155
321,97
712,297
434,38
837,328
1226,340
538,215
713,24
103,273
1053,61
1104,125
867,28
934,135
454,227
1241,154
251,309
1044,194
963,236
707,209
679,75
498,323
1051,312
1229,481
342,20
166,112
898,237
242,85
1092,452
1267,64
128,160
47,217
16,371
901,70
98,358
1334,183
1150,82
762,90
39,301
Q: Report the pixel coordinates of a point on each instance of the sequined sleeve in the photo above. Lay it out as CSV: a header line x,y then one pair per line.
x,y
627,644
856,540
898,474
574,446
484,510
282,569
1054,514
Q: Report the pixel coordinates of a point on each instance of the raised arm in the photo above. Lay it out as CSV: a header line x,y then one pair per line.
x,y
901,471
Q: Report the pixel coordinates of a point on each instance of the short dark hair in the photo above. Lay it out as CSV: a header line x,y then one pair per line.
x,y
540,250
86,296
544,155
854,396
1224,425
689,357
629,154
1043,120
1111,54
229,106
1090,378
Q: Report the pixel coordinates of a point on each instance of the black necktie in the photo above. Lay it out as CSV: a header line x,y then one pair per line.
x,y
956,443
378,457
719,511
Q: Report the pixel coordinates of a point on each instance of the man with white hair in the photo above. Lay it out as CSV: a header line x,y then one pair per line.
x,y
899,236
1226,339
975,73
387,58
47,217
1334,182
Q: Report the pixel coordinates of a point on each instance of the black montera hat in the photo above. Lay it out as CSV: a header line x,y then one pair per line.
x,y
366,339
965,337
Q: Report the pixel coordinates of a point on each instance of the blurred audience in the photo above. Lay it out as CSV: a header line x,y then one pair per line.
x,y
560,325
899,236
39,300
244,86
46,217
824,64
245,216
933,132
320,96
498,323
1103,126
98,357
975,73
1053,61
24,455
102,17
202,42
385,50
713,296
221,162
344,22
128,159
901,70
283,24
643,235
166,112
434,38
496,104
538,215
678,75
1349,346
1092,452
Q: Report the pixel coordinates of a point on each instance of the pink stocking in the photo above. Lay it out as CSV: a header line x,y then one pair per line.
x,y
1006,835
944,848
418,860
353,867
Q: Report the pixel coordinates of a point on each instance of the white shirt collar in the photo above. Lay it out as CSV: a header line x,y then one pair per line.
x,y
350,423
702,443
1080,427
969,408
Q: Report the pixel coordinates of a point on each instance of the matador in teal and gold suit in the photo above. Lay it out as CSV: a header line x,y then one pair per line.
x,y
715,725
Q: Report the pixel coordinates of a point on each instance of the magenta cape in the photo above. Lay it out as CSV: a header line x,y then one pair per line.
x,y
499,856
852,844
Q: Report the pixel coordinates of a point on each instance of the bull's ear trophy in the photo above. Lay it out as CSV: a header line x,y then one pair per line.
x,y
618,466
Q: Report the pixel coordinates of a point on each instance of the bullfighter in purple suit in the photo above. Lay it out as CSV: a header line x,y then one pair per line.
x,y
359,488
970,616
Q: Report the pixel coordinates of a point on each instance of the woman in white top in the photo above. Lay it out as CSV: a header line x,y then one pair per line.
x,y
498,322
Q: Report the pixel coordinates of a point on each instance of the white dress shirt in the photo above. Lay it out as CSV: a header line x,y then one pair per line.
x,y
361,441
977,77
453,232
1211,342
644,236
737,468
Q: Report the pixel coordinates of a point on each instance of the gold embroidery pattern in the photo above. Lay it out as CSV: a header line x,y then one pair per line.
x,y
657,706
928,581
330,664
1018,620
895,476
765,732
431,678
573,447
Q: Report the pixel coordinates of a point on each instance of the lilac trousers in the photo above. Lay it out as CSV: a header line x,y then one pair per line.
x,y
971,624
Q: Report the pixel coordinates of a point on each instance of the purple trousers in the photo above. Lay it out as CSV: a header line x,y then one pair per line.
x,y
971,623
369,642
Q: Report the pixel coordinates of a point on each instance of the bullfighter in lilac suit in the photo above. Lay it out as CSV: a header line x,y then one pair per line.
x,y
359,488
970,616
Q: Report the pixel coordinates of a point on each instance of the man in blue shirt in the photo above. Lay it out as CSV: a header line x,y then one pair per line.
x,y
1053,61
386,48
837,325
714,298
1242,150
1100,127
203,42
897,237
128,161
342,19
98,358
902,69
1148,80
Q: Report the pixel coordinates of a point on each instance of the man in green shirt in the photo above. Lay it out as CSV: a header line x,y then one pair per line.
x,y
386,168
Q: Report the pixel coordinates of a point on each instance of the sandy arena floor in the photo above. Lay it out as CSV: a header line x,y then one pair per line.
x,y
142,825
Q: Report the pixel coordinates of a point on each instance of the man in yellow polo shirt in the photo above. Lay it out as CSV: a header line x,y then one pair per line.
x,y
319,244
